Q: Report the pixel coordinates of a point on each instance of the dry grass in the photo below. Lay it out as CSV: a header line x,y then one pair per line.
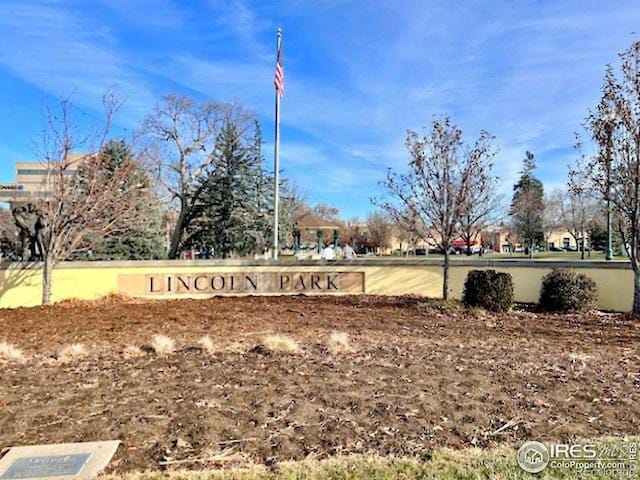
x,y
71,353
237,347
109,299
10,353
207,345
441,464
338,342
280,343
579,357
579,361
133,351
163,345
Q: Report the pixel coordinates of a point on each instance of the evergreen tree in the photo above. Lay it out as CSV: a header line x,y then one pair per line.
x,y
527,206
235,213
261,195
144,240
9,244
598,239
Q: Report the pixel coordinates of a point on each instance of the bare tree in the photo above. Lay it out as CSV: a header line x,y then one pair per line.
x,y
513,237
482,201
552,220
182,136
328,213
527,206
615,169
294,202
405,228
380,229
578,205
438,188
83,200
352,232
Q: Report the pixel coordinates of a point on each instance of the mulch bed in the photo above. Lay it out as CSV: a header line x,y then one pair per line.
x,y
419,376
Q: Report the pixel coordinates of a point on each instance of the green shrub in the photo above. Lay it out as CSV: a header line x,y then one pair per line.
x,y
488,289
564,290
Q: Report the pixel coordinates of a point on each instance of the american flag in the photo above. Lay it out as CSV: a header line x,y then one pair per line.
x,y
279,77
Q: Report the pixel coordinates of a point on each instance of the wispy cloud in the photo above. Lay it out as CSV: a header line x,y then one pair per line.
x,y
358,74
64,53
237,19
153,14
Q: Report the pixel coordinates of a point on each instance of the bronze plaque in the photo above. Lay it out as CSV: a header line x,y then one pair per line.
x,y
71,461
241,283
46,466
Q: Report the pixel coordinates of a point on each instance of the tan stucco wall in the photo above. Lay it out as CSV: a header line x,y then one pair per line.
x,y
557,238
85,280
615,286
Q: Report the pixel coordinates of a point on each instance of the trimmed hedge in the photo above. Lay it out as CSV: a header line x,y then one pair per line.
x,y
564,290
488,289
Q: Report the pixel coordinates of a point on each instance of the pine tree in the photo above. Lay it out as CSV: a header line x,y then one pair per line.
x,y
527,206
261,195
234,213
9,244
232,219
144,240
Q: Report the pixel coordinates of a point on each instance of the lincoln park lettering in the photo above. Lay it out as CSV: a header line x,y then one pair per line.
x,y
244,283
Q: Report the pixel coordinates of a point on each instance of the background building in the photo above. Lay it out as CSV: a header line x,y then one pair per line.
x,y
31,180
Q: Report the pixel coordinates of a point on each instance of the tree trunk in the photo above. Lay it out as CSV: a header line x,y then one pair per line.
x,y
177,235
636,291
445,281
46,280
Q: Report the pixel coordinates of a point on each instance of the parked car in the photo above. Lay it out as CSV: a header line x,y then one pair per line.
x,y
475,249
440,251
556,249
421,251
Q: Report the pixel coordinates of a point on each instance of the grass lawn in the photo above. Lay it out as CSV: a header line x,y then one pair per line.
x,y
443,464
558,256
545,256
553,256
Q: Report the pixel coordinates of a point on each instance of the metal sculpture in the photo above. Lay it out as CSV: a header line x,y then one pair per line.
x,y
32,226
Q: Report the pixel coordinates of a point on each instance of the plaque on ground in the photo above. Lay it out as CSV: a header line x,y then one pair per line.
x,y
77,461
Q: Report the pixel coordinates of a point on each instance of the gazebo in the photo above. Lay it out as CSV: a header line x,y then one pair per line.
x,y
309,222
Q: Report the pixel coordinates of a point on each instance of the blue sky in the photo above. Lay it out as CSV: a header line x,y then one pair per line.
x,y
358,74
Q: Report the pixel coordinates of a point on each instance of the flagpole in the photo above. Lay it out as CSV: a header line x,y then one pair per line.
x,y
276,165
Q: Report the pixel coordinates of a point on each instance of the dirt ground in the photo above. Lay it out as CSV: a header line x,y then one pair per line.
x,y
418,376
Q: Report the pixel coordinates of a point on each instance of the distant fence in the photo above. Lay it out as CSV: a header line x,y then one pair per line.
x,y
20,284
